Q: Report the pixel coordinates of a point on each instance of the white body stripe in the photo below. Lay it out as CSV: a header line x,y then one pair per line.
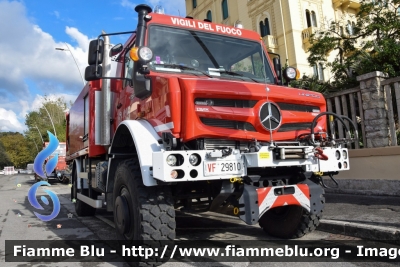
x,y
164,127
270,199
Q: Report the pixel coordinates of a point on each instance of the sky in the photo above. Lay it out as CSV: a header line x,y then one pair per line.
x,y
31,30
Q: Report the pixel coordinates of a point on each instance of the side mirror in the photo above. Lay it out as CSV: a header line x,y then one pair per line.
x,y
96,51
116,49
91,74
278,67
94,71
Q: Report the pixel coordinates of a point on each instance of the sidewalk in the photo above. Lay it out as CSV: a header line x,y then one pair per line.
x,y
367,217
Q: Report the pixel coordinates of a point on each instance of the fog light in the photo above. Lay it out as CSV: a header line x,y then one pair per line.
x,y
193,159
171,160
344,154
174,174
337,154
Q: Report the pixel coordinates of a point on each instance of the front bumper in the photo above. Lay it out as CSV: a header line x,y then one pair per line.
x,y
214,165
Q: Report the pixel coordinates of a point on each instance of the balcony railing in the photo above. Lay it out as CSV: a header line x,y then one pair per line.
x,y
270,42
346,4
306,34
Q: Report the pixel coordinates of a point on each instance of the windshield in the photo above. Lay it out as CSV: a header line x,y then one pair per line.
x,y
61,150
201,53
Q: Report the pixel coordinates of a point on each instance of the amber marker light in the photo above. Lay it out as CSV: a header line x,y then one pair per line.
x,y
134,54
297,74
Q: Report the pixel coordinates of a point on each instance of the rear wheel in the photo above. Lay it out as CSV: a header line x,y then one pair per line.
x,y
140,212
290,221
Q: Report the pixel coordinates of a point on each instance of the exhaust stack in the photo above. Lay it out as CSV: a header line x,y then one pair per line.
x,y
142,10
106,95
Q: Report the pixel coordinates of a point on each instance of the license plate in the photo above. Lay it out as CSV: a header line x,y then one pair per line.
x,y
227,167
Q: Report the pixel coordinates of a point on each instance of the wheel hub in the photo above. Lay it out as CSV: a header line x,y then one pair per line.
x,y
123,220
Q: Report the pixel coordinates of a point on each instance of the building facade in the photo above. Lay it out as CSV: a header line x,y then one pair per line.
x,y
284,25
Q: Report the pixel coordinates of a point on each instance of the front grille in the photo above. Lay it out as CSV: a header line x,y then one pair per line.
x,y
228,124
231,103
287,127
297,107
211,144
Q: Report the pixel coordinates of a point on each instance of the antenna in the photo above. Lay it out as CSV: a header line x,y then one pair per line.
x,y
267,90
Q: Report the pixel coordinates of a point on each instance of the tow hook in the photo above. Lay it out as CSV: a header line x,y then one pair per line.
x,y
319,153
236,180
321,180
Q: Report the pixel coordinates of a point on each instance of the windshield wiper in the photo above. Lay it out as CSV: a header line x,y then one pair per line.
x,y
182,67
236,74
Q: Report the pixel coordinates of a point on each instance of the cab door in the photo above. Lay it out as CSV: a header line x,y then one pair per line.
x,y
126,96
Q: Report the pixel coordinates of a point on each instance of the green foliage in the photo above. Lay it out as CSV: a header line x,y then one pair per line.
x,y
4,158
39,121
311,83
370,44
17,149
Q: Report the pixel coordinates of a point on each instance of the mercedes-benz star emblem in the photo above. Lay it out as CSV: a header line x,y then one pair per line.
x,y
270,116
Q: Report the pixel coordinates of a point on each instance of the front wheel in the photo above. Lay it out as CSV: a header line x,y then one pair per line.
x,y
290,221
140,212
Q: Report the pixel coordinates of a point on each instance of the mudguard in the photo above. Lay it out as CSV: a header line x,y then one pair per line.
x,y
145,139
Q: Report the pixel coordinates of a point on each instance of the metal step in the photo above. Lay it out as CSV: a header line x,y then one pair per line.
x,y
95,203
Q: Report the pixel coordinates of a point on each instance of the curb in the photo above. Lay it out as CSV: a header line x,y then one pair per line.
x,y
369,187
364,231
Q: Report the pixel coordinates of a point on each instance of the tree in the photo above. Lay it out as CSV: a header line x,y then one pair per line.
x,y
17,148
311,83
372,43
39,123
4,159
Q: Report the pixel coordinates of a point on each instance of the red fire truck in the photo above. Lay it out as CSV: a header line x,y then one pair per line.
x,y
61,166
192,115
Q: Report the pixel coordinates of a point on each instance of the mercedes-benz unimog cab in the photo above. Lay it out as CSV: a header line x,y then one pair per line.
x,y
193,115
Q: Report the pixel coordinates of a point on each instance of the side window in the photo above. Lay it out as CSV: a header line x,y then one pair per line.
x,y
128,68
86,115
308,18
209,15
267,30
313,19
262,29
225,13
244,65
251,66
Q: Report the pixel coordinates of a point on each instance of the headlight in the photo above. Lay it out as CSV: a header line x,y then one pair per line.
x,y
337,154
291,73
344,154
174,174
171,160
194,159
143,53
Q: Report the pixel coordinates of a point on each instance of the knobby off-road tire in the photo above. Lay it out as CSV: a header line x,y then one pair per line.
x,y
290,221
81,208
140,212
